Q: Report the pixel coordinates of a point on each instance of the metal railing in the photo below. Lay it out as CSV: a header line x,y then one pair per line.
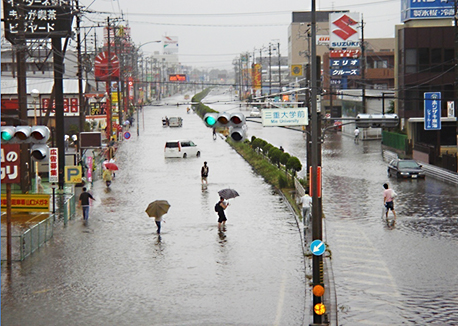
x,y
30,240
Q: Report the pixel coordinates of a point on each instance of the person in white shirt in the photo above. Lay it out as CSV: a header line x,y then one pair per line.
x,y
306,202
356,134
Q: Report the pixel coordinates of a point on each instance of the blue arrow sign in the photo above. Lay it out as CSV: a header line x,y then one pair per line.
x,y
317,247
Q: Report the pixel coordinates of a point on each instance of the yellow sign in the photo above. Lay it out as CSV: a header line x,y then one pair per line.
x,y
296,71
27,202
73,174
319,309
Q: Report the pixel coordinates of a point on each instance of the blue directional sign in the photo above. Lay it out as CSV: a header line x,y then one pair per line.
x,y
432,110
317,247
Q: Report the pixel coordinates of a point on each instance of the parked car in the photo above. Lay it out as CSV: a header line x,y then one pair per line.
x,y
181,148
405,169
255,113
175,122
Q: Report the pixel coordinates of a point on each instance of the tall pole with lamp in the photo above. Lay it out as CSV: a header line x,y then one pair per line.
x,y
36,97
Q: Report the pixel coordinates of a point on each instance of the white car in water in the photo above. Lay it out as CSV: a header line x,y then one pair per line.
x,y
181,148
255,113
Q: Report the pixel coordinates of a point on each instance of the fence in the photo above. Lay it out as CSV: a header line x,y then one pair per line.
x,y
25,244
394,140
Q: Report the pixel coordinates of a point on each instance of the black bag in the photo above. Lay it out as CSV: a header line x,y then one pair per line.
x,y
216,207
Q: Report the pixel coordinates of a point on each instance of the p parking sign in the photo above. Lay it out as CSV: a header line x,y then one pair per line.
x,y
73,174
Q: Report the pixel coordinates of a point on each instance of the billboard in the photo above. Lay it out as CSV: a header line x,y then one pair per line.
x,y
344,31
432,110
431,9
170,44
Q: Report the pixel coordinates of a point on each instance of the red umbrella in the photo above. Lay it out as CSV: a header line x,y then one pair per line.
x,y
110,166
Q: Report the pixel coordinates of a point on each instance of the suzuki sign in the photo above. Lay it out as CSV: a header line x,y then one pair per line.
x,y
344,30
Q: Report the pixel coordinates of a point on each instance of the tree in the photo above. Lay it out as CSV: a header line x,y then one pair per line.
x,y
294,165
274,156
284,158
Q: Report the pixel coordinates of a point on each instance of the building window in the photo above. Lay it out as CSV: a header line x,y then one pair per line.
x,y
411,61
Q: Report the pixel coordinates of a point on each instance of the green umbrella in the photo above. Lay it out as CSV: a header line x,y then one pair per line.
x,y
157,208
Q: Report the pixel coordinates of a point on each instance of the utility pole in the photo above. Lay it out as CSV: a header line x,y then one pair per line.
x,y
279,66
363,65
260,62
108,86
82,117
270,69
317,227
21,49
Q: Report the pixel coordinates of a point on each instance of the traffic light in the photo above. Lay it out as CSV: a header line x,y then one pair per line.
x,y
35,135
235,122
364,120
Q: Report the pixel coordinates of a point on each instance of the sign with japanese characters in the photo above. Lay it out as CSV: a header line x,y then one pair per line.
x,y
345,72
344,53
27,202
43,19
11,163
285,117
53,165
338,63
432,110
426,9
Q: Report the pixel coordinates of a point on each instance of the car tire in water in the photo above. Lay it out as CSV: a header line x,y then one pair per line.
x,y
185,155
198,154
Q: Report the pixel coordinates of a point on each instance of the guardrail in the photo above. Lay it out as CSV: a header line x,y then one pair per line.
x,y
23,245
430,170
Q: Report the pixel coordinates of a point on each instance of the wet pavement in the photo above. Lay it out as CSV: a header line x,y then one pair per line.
x,y
115,270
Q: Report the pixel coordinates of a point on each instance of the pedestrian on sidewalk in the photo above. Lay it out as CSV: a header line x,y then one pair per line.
x,y
219,208
306,202
204,173
84,203
388,197
356,132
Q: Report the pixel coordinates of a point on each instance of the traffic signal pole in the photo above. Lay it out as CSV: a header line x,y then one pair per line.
x,y
317,229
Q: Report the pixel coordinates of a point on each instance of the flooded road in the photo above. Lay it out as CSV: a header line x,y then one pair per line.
x,y
117,271
401,276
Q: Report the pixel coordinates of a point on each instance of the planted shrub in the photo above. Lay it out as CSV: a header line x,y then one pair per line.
x,y
266,148
282,181
294,165
284,158
274,156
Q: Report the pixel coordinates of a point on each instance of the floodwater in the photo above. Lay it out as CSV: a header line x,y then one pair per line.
x,y
115,270
406,275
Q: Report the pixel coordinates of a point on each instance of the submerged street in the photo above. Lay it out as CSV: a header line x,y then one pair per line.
x,y
117,271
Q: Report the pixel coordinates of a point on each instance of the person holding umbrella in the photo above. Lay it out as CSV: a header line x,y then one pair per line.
x,y
157,209
219,208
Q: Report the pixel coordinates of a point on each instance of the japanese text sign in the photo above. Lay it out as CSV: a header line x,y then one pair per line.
x,y
53,165
11,163
285,117
432,110
42,18
27,202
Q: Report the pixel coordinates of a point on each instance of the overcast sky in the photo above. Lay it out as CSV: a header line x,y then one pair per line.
x,y
211,33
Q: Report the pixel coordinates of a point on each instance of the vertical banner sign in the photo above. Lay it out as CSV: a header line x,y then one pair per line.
x,y
130,87
257,77
89,162
53,165
11,163
432,110
318,181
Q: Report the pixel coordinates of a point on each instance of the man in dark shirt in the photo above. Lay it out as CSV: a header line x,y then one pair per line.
x,y
219,208
84,202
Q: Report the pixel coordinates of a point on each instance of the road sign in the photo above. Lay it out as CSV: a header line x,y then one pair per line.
x,y
317,247
126,135
284,117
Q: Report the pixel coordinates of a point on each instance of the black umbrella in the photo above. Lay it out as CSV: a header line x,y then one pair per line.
x,y
228,193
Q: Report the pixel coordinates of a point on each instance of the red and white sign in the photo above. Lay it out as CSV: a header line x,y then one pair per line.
x,y
53,165
344,32
322,39
344,53
11,163
103,70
